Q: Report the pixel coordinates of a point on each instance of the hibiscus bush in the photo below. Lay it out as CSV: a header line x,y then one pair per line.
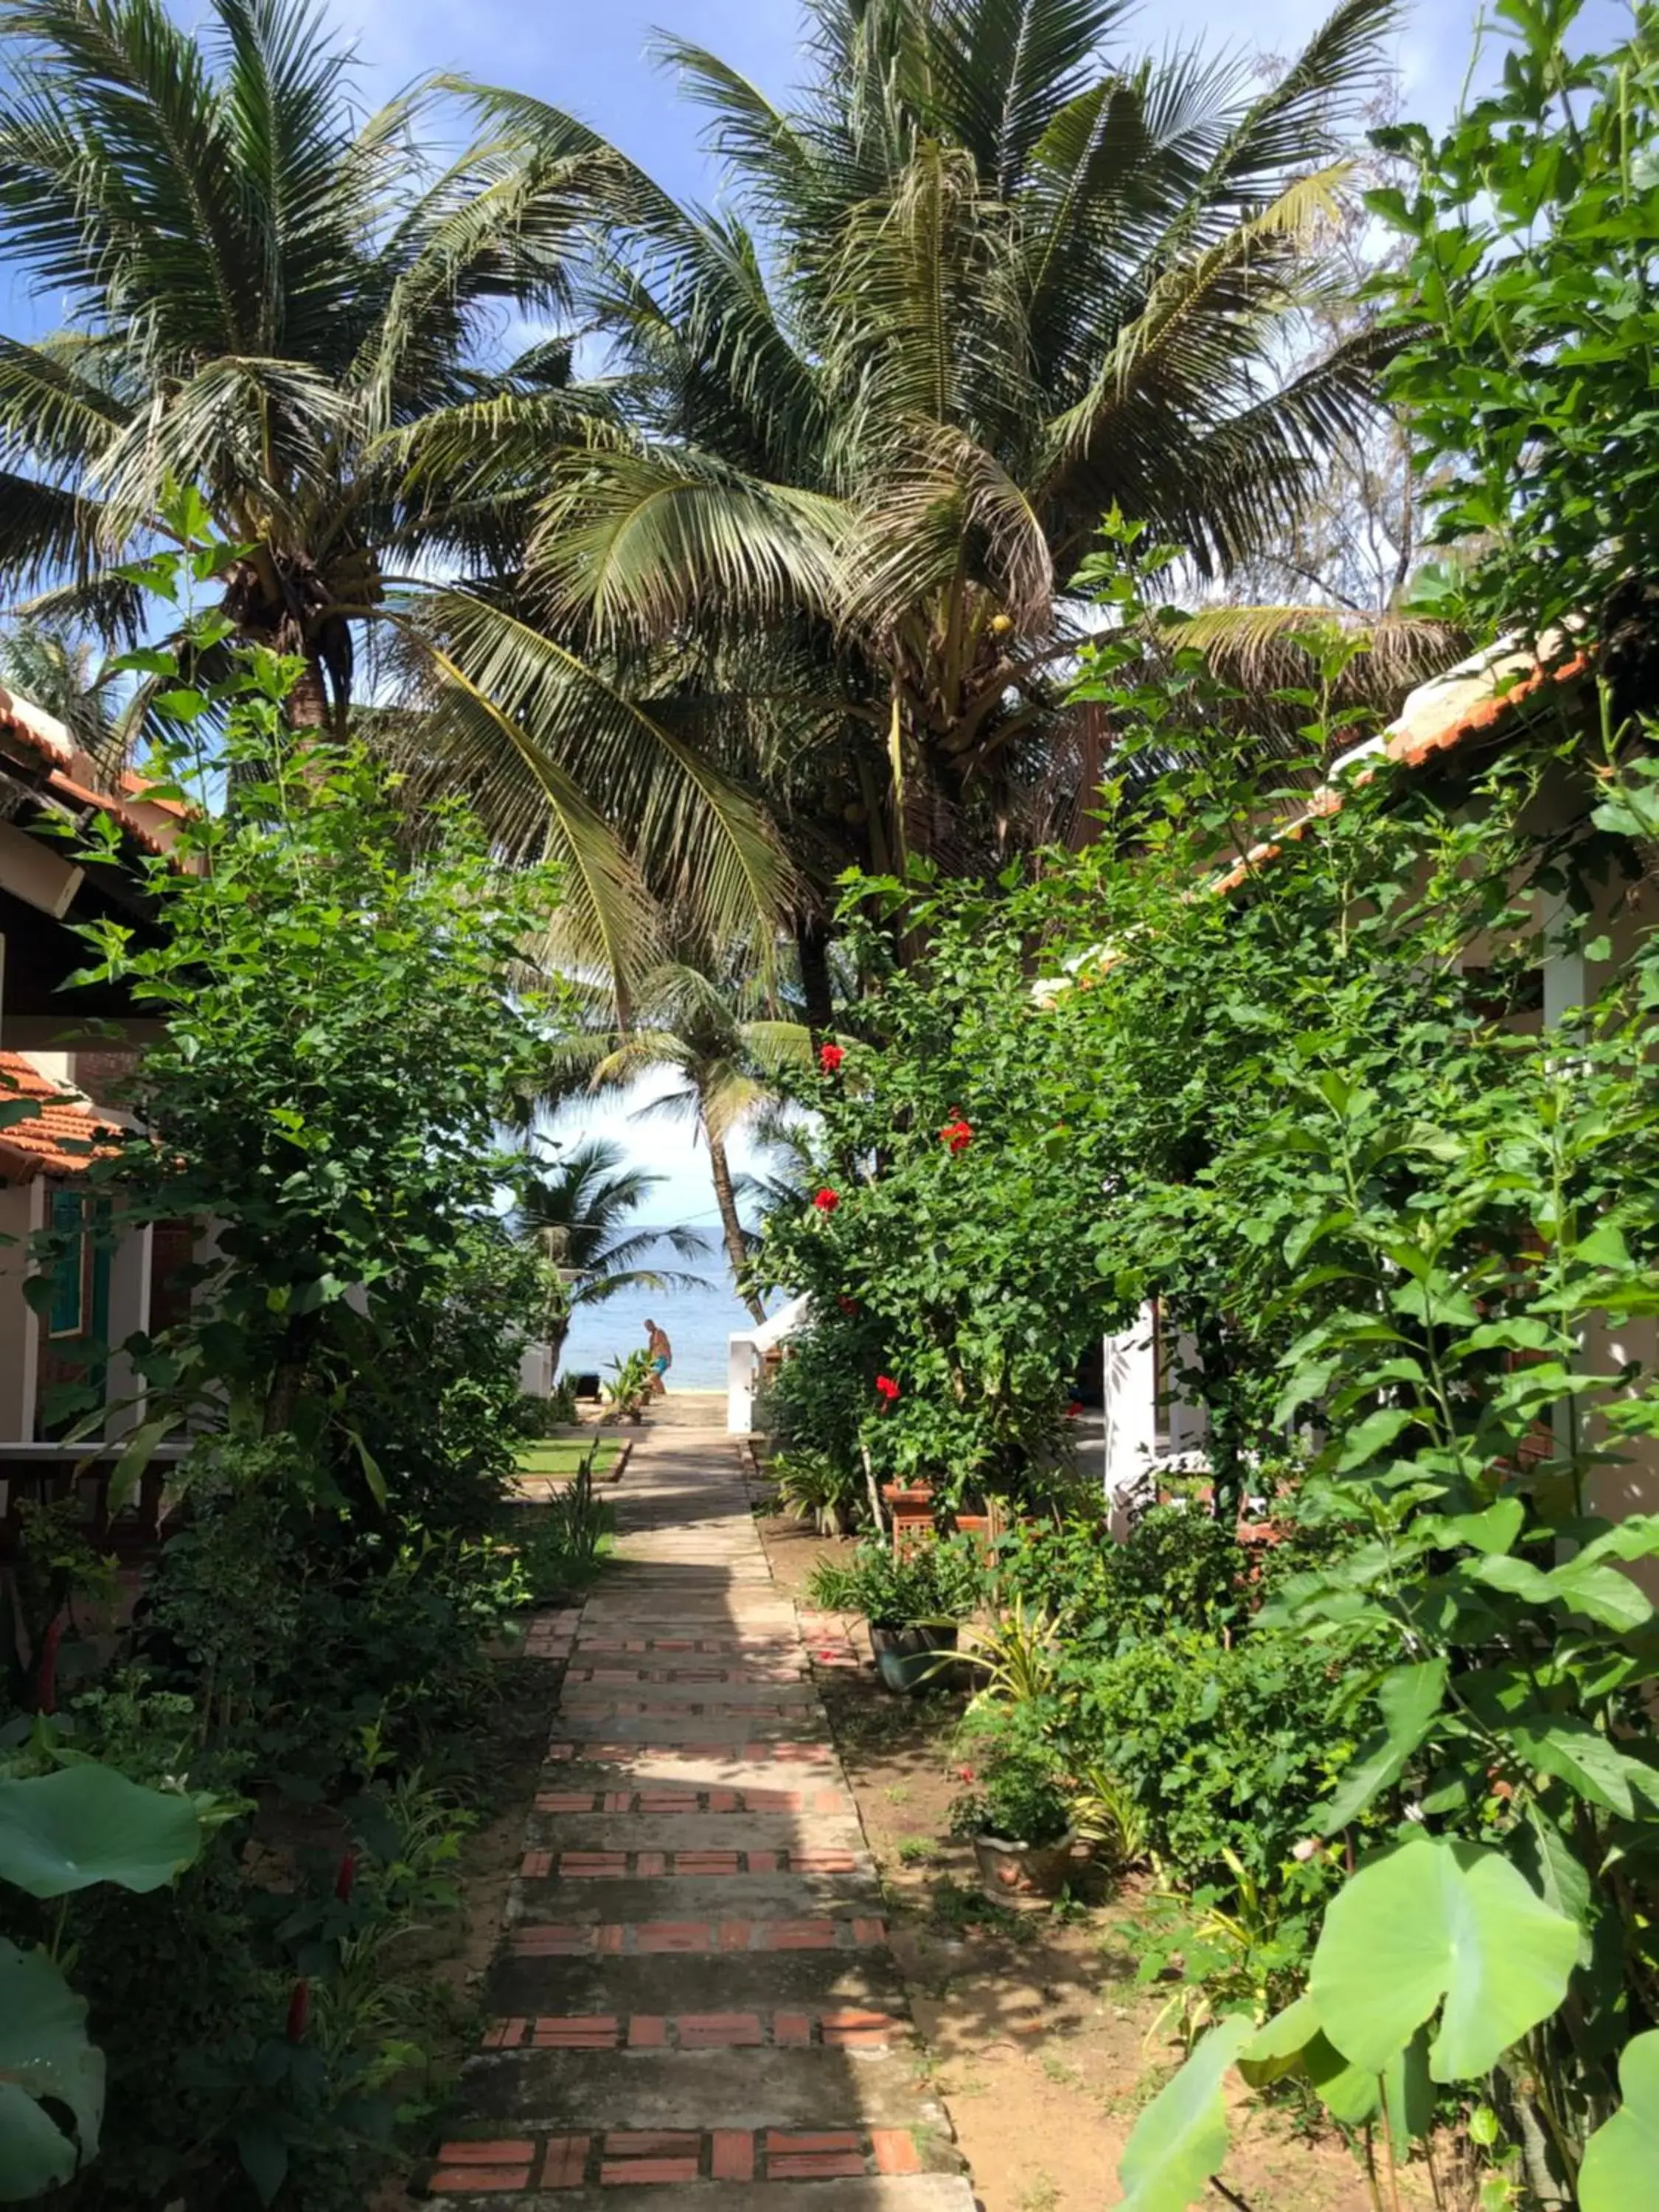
x,y
950,1248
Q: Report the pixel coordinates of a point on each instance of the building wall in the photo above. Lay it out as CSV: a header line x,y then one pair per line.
x,y
22,1210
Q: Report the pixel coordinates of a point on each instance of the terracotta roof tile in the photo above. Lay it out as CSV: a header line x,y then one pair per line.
x,y
82,795
73,776
1471,701
60,1138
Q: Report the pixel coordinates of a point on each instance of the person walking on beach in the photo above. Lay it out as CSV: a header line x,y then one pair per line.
x,y
662,1357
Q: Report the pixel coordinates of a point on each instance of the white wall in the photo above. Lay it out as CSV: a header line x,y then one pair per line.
x,y
22,1210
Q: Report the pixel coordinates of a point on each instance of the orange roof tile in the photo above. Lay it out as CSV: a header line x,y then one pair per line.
x,y
61,1138
1468,701
74,775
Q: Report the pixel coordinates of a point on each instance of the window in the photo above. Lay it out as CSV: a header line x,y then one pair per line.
x,y
71,1278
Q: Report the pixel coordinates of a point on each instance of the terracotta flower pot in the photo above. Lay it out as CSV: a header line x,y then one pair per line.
x,y
907,1497
1010,1871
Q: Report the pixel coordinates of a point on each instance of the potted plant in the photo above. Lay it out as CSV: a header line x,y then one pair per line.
x,y
630,1394
1019,1819
915,1606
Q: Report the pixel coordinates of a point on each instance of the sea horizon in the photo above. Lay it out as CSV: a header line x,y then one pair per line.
x,y
698,1320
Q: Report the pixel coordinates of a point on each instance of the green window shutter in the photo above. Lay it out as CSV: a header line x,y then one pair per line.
x,y
69,1282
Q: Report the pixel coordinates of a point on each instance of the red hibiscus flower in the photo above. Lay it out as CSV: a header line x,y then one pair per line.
x,y
887,1387
847,1305
956,1135
830,1057
827,1200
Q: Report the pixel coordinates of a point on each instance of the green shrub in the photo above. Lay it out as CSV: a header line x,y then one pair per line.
x,y
941,1581
813,1486
1179,1569
1019,1794
1226,1750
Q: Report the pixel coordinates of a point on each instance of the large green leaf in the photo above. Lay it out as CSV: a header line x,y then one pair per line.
x,y
1590,1764
1431,1921
1181,2138
63,1831
1294,2043
43,2052
1622,2159
1410,1697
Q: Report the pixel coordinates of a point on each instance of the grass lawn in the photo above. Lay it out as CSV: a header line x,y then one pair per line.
x,y
557,1455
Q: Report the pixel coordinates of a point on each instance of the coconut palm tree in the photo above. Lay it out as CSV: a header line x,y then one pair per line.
x,y
53,668
986,276
708,1021
267,297
575,1214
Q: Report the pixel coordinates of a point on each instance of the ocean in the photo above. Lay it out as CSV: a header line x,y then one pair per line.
x,y
698,1322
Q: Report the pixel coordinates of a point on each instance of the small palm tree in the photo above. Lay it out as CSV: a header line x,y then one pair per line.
x,y
705,1020
575,1214
52,667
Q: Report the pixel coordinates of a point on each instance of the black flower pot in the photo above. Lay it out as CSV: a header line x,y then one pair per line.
x,y
907,1656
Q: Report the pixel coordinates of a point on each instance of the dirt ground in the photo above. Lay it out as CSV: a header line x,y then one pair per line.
x,y
1040,2043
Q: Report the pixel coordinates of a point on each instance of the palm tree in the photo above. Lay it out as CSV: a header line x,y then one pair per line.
x,y
575,1213
706,1020
268,299
983,281
52,667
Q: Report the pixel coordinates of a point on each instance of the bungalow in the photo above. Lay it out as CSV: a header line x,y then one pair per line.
x,y
1450,727
62,1054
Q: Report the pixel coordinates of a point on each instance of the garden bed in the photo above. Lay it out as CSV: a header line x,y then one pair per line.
x,y
456,1954
1036,2031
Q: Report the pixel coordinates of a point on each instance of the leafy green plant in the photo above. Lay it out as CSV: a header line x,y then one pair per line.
x,y
1107,1813
936,1584
566,1538
628,1392
1018,1795
1426,1930
59,1833
813,1487
55,1569
1015,1661
1224,1751
1527,295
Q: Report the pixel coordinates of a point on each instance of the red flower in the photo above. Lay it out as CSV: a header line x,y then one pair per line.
x,y
346,1877
887,1387
847,1305
1074,1409
964,1774
830,1057
827,1200
956,1135
299,2012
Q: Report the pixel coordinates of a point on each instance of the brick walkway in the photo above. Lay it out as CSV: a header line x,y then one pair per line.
x,y
694,1990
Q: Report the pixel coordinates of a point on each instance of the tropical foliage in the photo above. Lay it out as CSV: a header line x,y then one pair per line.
x,y
709,1039
283,304
340,1044
988,272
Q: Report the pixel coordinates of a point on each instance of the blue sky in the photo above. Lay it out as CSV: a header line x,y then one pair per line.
x,y
589,55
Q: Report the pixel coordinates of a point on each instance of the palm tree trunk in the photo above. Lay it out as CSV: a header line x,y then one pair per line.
x,y
726,1199
308,703
812,952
